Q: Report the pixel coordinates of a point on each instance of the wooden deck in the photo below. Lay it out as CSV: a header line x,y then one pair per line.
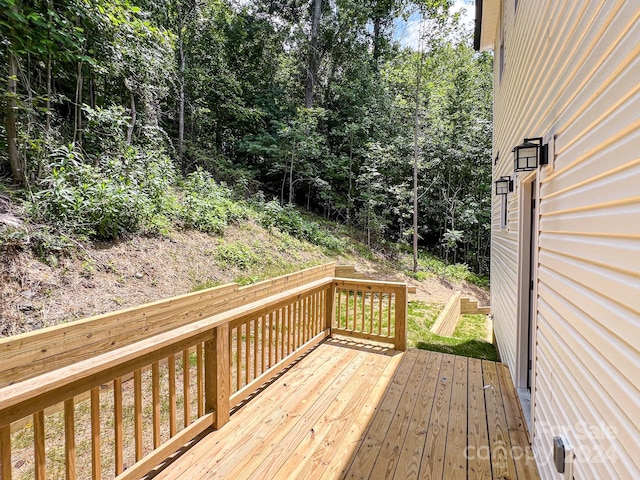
x,y
351,410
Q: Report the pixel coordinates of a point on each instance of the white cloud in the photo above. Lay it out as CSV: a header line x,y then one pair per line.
x,y
469,13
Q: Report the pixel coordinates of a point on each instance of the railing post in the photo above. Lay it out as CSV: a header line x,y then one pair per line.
x,y
329,306
400,339
217,375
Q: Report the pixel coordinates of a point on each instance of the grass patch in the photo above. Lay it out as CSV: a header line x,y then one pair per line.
x,y
468,340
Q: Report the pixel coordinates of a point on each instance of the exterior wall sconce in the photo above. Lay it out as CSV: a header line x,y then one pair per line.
x,y
529,154
504,185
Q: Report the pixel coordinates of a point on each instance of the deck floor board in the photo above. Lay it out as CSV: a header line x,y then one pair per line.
x,y
352,410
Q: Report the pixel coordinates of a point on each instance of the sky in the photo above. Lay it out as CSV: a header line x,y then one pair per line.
x,y
408,32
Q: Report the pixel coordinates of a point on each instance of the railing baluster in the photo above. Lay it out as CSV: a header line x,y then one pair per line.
x,y
289,328
355,307
270,334
186,388
117,421
38,441
137,407
339,307
364,308
256,343
294,325
238,357
314,314
278,335
371,295
200,380
263,346
155,398
96,470
389,296
306,318
380,313
172,395
247,347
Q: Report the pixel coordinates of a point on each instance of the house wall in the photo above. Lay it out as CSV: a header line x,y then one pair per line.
x,y
572,75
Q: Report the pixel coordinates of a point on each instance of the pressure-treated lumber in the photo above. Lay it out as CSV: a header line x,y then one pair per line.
x,y
470,306
243,346
446,322
34,353
354,410
29,396
5,452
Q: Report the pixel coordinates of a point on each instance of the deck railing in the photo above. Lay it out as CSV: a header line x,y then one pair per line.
x,y
371,310
114,395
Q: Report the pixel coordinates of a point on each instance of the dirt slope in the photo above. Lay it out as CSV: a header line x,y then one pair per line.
x,y
107,277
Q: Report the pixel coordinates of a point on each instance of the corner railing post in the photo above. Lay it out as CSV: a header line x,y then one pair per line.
x,y
329,306
218,376
400,339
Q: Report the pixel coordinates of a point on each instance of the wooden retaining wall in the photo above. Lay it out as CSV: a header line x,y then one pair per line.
x,y
457,305
470,306
446,322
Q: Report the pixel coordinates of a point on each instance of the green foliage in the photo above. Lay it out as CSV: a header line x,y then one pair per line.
x,y
221,89
236,254
205,284
287,219
208,206
125,194
458,272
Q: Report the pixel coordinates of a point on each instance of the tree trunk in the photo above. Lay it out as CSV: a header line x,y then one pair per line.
x,y
416,127
77,133
349,193
17,167
314,57
181,67
48,117
293,156
132,123
377,28
92,89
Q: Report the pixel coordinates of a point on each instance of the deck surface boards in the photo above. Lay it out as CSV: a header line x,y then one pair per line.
x,y
387,459
414,445
479,460
432,465
455,463
351,410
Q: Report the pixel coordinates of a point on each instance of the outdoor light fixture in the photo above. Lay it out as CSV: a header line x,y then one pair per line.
x,y
529,154
504,185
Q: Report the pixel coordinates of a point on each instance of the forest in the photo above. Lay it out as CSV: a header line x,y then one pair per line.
x,y
127,116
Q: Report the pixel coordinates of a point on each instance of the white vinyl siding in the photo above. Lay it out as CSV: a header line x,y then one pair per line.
x,y
573,73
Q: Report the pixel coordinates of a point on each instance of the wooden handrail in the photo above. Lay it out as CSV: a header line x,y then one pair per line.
x,y
225,356
32,395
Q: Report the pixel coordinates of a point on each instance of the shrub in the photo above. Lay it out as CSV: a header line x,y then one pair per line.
x,y
124,195
287,219
455,272
208,206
